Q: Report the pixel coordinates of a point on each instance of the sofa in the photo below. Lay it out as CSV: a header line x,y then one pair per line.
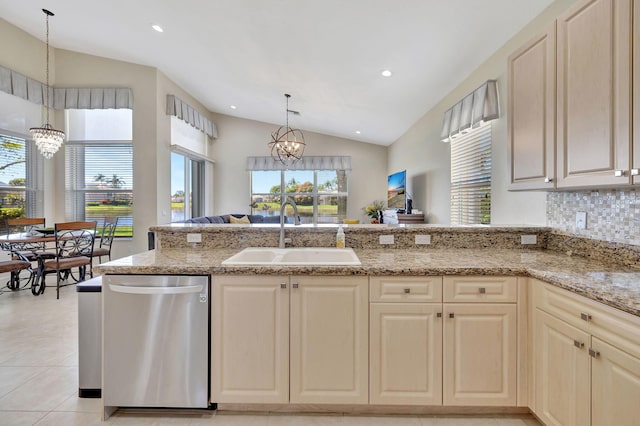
x,y
225,218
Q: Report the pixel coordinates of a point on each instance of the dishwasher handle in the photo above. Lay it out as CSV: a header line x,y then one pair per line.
x,y
155,290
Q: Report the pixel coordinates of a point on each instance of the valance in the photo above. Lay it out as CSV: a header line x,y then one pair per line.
x,y
182,110
27,88
305,163
478,106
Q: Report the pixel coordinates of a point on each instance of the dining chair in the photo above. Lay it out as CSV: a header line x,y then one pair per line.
x,y
31,251
74,248
15,266
106,239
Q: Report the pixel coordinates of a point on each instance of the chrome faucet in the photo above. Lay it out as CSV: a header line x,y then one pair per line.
x,y
296,218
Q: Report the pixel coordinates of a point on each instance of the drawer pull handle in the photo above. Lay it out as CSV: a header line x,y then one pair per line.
x,y
635,172
585,316
578,345
548,180
451,315
594,353
439,315
482,290
407,290
619,173
295,285
283,285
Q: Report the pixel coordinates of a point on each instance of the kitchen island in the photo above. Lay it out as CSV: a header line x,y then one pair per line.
x,y
500,282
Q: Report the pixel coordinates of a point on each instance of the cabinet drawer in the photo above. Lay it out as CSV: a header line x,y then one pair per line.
x,y
480,289
405,289
617,327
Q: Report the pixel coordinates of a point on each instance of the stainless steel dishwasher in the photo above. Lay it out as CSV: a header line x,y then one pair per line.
x,y
156,341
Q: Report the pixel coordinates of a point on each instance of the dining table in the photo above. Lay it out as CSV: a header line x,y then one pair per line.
x,y
29,246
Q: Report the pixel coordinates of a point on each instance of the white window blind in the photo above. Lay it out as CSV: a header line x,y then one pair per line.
x,y
471,177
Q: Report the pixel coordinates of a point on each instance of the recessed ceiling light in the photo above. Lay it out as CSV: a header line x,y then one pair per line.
x,y
233,107
358,132
386,73
157,27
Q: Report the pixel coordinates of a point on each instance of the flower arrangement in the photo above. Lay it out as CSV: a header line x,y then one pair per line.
x,y
374,210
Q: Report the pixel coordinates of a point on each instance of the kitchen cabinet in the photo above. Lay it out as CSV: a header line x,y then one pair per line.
x,y
480,341
587,360
281,339
531,106
476,363
635,165
593,94
329,340
250,339
406,340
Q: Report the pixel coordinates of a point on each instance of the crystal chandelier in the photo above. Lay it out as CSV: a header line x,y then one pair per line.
x,y
47,139
287,144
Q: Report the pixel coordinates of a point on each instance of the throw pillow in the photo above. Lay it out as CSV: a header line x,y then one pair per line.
x,y
243,219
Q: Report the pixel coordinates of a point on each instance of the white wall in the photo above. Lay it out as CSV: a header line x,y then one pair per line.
x,y
239,138
427,160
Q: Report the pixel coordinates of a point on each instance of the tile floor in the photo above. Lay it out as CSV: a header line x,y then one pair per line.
x,y
39,379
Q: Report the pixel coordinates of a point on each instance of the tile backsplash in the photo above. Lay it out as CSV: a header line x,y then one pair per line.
x,y
612,214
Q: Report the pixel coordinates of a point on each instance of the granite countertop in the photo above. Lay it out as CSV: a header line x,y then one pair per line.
x,y
610,283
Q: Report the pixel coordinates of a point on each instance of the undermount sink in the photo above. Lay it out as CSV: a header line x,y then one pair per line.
x,y
293,256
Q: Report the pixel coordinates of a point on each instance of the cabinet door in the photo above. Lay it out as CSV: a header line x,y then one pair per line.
x,y
615,386
593,94
250,339
329,340
406,353
480,351
561,370
531,113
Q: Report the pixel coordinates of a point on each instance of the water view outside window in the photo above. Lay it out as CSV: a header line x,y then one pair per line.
x,y
321,195
99,167
187,187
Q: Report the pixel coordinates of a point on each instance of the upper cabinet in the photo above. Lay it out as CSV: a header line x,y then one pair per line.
x,y
590,48
531,73
594,102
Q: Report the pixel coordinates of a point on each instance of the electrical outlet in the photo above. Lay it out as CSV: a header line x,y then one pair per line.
x,y
423,239
528,239
581,220
386,239
194,238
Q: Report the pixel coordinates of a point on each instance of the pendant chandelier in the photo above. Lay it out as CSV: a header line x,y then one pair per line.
x,y
47,139
287,144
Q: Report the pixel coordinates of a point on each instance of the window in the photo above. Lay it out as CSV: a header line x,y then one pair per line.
x,y
187,187
321,195
99,167
471,177
21,179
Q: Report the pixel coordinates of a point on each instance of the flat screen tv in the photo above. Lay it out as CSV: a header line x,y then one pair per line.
x,y
396,190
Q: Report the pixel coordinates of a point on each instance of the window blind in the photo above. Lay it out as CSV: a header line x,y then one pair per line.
x,y
471,177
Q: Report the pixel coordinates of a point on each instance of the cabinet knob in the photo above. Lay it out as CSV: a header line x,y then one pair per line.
x,y
295,285
548,180
451,315
619,173
283,285
635,172
407,290
578,345
438,314
585,316
482,290
594,353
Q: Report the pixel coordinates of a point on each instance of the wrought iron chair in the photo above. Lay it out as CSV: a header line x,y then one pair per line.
x,y
106,239
26,251
15,267
74,248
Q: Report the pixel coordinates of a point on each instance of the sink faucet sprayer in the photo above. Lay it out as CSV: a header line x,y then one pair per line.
x,y
296,218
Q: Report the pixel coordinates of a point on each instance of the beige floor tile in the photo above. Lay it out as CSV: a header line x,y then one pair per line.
x,y
352,420
237,420
13,377
128,417
58,418
83,405
20,418
44,392
307,420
